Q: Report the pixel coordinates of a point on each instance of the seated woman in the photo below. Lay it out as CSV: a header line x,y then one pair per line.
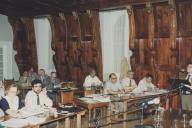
x,y
11,103
128,82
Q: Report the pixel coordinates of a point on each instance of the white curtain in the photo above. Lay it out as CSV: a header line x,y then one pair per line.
x,y
43,41
115,40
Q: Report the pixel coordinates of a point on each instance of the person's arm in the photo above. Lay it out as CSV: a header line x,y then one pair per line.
x,y
21,104
4,104
152,85
110,91
98,82
5,107
86,82
48,102
134,85
29,99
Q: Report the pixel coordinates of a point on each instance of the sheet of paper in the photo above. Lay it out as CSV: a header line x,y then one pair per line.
x,y
15,123
33,120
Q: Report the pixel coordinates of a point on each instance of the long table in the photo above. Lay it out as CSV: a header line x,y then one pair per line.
x,y
128,98
92,105
49,119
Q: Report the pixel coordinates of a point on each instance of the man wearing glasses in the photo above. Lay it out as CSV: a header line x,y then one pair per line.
x,y
53,82
37,96
113,88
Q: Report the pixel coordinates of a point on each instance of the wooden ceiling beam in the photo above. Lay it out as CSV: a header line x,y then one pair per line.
x,y
44,7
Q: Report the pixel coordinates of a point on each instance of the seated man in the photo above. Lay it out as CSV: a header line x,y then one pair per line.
x,y
52,82
32,74
37,96
145,84
42,76
92,79
113,87
128,82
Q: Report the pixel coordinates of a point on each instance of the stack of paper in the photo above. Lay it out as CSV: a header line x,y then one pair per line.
x,y
15,123
102,98
18,123
33,120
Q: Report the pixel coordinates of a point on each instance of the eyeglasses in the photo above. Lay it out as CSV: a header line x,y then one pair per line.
x,y
114,78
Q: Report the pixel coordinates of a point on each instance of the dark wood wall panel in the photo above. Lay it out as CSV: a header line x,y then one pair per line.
x,y
59,39
160,39
163,57
24,43
77,46
162,21
141,21
185,48
184,19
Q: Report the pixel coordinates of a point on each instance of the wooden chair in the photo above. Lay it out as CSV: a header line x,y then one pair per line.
x,y
89,92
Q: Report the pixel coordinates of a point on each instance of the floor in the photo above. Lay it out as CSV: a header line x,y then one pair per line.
x,y
118,124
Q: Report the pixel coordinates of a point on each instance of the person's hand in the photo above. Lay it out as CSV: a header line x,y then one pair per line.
x,y
149,89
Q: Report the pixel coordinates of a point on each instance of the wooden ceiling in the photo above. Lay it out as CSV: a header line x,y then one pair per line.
x,y
32,8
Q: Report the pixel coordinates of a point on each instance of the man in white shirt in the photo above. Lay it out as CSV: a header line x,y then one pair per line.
x,y
92,80
37,96
113,87
145,84
42,76
128,82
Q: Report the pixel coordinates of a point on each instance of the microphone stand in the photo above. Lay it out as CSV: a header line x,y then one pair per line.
x,y
174,81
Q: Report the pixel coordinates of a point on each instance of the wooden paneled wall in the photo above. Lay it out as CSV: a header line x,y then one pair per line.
x,y
24,43
77,45
75,40
161,40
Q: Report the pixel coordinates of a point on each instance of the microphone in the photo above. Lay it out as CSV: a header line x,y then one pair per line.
x,y
181,85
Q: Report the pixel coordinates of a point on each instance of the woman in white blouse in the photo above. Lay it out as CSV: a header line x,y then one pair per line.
x,y
11,103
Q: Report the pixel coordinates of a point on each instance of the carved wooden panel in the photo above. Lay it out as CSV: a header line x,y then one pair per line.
x,y
24,43
184,33
160,39
86,26
80,47
141,21
162,21
59,39
184,19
